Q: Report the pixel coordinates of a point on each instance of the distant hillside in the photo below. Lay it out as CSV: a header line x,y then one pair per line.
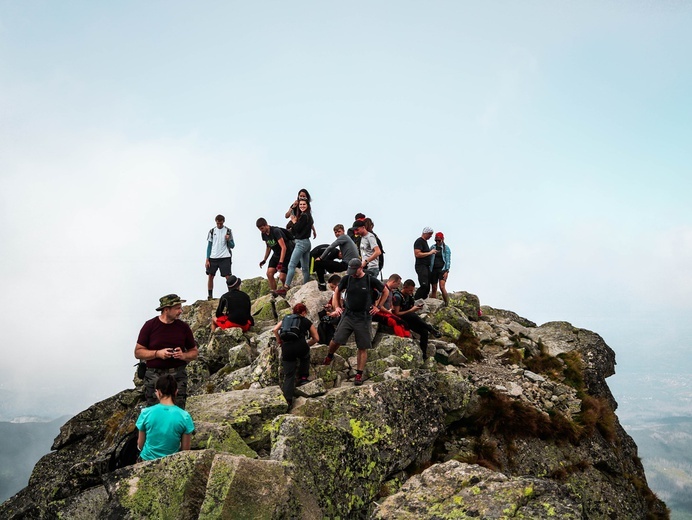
x,y
23,444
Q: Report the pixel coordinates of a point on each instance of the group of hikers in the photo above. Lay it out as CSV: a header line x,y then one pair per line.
x,y
166,344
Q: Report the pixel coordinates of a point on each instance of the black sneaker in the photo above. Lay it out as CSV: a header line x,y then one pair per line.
x,y
302,381
436,332
322,286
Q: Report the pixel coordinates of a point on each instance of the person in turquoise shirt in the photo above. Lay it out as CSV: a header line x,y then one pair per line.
x,y
440,264
164,428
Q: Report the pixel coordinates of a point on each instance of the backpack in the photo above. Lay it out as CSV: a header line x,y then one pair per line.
x,y
230,244
290,328
288,236
373,293
380,259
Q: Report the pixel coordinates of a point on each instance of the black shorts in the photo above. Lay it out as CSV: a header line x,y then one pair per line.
x,y
436,276
274,260
222,264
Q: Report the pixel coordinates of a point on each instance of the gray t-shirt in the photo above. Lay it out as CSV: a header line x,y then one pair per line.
x,y
368,243
346,246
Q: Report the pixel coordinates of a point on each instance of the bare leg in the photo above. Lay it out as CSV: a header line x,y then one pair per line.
x,y
361,359
210,282
271,271
443,289
433,289
333,347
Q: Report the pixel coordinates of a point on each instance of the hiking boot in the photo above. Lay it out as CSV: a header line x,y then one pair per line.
x,y
280,292
302,381
358,380
322,286
210,298
328,360
436,332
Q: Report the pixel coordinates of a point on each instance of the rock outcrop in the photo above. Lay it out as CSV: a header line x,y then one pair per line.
x,y
506,420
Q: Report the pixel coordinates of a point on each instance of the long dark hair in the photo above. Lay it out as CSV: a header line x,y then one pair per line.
x,y
307,194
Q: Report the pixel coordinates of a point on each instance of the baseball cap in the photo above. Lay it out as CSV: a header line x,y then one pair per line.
x,y
353,266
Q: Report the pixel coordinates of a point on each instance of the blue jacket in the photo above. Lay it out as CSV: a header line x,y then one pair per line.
x,y
446,255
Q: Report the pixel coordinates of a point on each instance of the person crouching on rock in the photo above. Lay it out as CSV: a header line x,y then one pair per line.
x,y
295,350
234,308
164,428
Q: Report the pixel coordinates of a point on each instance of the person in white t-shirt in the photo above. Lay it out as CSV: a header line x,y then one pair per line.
x,y
219,245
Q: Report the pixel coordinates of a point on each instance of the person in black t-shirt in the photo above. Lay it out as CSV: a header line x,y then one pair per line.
x,y
296,353
422,252
356,318
281,247
404,306
234,308
302,224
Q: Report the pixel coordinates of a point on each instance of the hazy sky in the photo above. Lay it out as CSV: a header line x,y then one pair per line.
x,y
549,141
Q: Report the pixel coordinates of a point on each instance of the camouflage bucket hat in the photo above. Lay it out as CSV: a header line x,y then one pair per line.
x,y
169,301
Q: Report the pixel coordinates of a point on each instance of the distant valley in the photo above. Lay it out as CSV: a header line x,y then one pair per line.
x,y
656,410
23,444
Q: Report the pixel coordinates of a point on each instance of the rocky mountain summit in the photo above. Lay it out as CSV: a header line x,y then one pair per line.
x,y
507,420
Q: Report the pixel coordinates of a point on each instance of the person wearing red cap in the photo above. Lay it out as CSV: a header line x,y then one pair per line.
x,y
440,265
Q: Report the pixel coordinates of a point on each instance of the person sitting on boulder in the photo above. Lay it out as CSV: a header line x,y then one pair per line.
x,y
404,306
295,350
164,428
385,314
335,257
234,308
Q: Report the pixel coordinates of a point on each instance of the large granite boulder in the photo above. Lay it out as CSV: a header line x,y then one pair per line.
x,y
457,490
510,420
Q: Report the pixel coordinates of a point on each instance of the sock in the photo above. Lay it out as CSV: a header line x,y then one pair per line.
x,y
210,292
359,372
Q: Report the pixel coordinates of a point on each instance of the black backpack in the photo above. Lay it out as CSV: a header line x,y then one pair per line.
x,y
380,259
288,235
290,328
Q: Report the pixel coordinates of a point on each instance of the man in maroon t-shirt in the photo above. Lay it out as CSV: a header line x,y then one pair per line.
x,y
166,344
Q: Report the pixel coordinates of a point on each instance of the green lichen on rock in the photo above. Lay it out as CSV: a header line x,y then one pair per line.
x,y
366,433
263,309
448,331
169,488
220,437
